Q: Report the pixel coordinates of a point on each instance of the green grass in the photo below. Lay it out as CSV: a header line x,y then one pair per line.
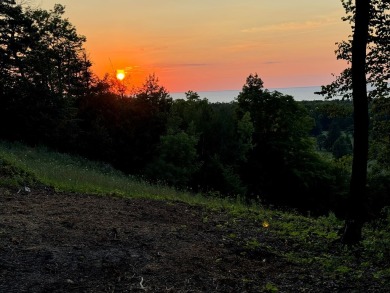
x,y
308,240
72,173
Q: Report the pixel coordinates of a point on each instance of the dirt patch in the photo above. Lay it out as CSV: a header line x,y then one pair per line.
x,y
61,242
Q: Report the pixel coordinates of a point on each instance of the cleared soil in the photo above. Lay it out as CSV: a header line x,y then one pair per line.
x,y
66,242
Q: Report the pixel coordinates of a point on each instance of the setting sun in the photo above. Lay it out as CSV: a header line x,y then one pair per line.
x,y
120,74
288,45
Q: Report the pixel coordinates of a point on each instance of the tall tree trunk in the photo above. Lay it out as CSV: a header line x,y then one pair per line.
x,y
357,211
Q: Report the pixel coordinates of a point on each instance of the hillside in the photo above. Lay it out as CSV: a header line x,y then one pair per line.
x,y
54,240
66,242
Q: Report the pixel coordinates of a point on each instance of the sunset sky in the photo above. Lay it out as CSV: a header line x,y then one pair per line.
x,y
207,45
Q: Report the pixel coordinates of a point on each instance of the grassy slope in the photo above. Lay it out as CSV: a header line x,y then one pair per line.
x,y
314,240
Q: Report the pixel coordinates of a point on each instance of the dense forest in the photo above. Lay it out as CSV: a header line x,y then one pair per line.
x,y
264,146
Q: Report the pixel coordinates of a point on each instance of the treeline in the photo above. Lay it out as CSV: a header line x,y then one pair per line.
x,y
263,146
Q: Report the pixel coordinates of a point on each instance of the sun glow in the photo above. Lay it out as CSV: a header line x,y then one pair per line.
x,y
120,74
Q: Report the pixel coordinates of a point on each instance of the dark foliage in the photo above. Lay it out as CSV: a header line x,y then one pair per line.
x,y
263,146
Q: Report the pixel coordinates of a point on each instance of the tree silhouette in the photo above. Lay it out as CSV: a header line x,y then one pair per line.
x,y
368,53
43,73
358,193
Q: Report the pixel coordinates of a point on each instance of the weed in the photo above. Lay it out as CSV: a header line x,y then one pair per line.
x,y
252,244
11,176
269,287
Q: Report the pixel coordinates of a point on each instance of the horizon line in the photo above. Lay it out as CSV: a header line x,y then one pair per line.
x,y
234,90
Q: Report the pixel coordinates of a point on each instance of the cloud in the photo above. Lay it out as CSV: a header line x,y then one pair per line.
x,y
167,66
270,62
134,69
185,65
162,67
292,26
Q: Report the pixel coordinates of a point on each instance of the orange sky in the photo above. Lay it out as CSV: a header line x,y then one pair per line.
x,y
205,45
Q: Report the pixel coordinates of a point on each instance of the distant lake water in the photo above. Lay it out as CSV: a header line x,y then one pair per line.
x,y
299,94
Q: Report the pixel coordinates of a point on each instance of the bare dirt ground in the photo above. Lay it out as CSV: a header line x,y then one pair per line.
x,y
64,242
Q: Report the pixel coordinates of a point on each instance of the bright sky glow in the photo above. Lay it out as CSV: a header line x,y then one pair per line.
x,y
204,45
120,74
